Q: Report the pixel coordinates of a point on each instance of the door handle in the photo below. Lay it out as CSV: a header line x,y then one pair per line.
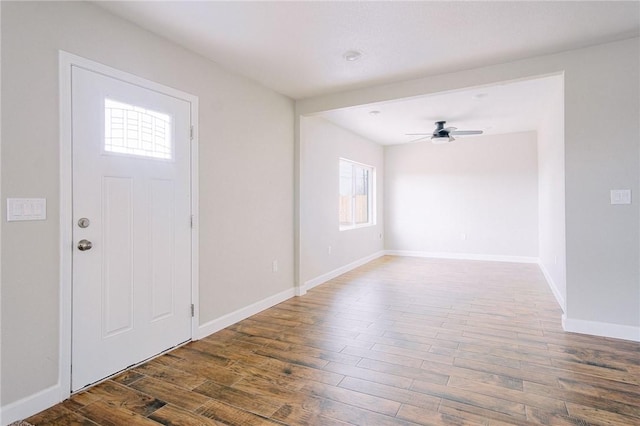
x,y
84,245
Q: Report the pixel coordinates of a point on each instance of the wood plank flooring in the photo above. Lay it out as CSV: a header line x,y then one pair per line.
x,y
399,341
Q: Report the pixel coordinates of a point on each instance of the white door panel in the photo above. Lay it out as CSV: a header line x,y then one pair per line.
x,y
131,179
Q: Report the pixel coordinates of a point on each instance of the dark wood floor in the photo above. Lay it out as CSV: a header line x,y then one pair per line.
x,y
397,341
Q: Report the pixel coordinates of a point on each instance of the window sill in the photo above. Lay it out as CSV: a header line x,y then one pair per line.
x,y
364,225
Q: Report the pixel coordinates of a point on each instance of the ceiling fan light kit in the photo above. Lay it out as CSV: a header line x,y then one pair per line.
x,y
438,140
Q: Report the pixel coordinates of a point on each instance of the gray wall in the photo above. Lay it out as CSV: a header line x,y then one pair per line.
x,y
324,144
551,195
602,241
246,174
602,86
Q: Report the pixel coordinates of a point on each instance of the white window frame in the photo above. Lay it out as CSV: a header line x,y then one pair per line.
x,y
371,199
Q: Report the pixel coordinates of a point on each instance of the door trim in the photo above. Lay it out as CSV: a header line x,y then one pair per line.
x,y
66,62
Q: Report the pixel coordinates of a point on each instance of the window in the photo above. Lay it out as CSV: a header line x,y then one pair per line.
x,y
356,195
137,131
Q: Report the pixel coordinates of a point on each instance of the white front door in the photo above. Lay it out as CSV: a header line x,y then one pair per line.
x,y
131,224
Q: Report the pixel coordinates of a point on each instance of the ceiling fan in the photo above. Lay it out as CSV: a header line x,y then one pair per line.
x,y
444,135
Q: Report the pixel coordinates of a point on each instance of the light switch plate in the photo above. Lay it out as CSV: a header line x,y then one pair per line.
x,y
620,196
26,209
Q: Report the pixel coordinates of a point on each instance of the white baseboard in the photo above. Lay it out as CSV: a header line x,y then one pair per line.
x,y
463,256
616,331
337,272
553,287
30,405
224,321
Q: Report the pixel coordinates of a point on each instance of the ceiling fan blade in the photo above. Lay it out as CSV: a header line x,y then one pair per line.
x,y
419,139
418,134
466,132
450,129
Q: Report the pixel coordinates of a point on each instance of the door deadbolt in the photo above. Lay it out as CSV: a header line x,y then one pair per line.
x,y
84,222
84,245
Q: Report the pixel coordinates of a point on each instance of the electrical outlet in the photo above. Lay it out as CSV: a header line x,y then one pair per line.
x,y
329,250
274,266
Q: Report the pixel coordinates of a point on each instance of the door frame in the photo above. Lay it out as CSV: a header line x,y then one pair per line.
x,y
66,62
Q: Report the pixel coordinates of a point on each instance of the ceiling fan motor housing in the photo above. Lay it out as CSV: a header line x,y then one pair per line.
x,y
440,134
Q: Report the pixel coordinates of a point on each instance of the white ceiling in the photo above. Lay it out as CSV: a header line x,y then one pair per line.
x,y
505,108
296,48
